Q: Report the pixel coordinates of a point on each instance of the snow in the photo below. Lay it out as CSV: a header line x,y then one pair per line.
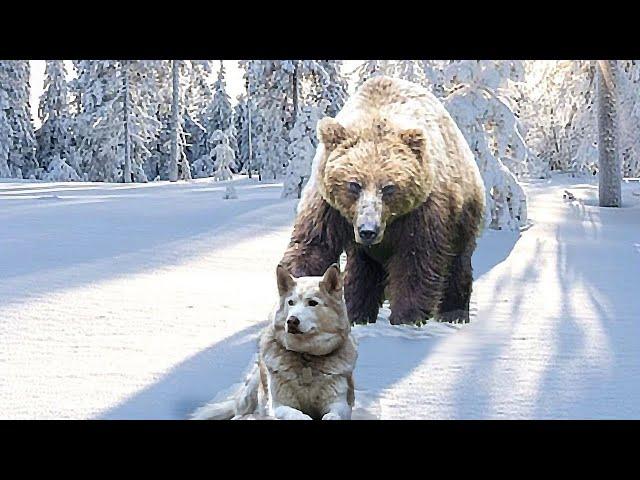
x,y
145,301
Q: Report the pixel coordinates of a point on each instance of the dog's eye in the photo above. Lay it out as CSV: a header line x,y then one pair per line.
x,y
291,302
388,190
354,187
312,303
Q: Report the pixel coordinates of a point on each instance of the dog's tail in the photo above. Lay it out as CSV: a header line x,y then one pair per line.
x,y
243,402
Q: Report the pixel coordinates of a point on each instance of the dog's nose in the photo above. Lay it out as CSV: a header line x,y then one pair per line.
x,y
367,233
293,321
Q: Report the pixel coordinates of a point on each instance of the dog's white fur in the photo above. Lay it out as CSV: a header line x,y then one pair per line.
x,y
301,373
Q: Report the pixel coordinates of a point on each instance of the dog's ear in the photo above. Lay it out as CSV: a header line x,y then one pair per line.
x,y
332,280
285,280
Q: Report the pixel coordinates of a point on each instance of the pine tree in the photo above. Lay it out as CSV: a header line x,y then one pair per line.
x,y
178,164
559,114
628,115
14,80
302,147
372,68
481,105
277,87
197,144
330,87
99,124
242,123
6,134
433,72
55,145
410,70
197,94
218,115
224,157
116,121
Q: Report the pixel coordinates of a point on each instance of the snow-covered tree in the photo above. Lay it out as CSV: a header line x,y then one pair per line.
x,y
59,170
482,105
372,68
218,114
302,148
276,90
242,121
410,70
197,144
5,135
197,96
268,88
558,113
100,122
628,115
198,92
14,80
232,135
54,136
205,165
330,87
116,124
224,157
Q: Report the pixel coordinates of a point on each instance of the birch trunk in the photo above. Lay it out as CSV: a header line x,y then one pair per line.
x,y
609,181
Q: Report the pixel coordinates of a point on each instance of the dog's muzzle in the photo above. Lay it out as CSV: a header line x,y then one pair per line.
x,y
293,325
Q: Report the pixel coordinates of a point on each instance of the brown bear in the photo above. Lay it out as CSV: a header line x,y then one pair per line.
x,y
396,186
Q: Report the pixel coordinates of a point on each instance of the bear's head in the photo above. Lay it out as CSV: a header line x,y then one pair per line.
x,y
373,175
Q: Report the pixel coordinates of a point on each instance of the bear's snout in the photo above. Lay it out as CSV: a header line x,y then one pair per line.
x,y
368,233
368,225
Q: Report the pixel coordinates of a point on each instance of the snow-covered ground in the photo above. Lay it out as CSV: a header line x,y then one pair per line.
x,y
144,301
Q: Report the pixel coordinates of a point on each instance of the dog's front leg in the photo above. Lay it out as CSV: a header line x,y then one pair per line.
x,y
339,410
284,412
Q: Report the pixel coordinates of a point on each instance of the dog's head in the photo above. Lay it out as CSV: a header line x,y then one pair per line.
x,y
311,316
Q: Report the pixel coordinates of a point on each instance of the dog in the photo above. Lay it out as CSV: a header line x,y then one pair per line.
x,y
306,357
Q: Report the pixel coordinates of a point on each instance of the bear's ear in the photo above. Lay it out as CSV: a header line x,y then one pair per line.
x,y
415,139
285,281
331,133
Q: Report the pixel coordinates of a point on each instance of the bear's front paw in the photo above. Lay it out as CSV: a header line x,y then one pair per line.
x,y
360,316
411,317
362,320
454,316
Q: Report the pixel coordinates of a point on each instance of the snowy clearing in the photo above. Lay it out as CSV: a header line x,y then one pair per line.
x,y
145,301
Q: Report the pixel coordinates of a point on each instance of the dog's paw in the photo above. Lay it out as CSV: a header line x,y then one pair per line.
x,y
288,413
331,416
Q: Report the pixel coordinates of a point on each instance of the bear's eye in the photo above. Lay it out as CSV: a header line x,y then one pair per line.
x,y
291,302
354,187
388,190
312,303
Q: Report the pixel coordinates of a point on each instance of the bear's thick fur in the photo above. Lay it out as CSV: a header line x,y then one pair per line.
x,y
395,185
